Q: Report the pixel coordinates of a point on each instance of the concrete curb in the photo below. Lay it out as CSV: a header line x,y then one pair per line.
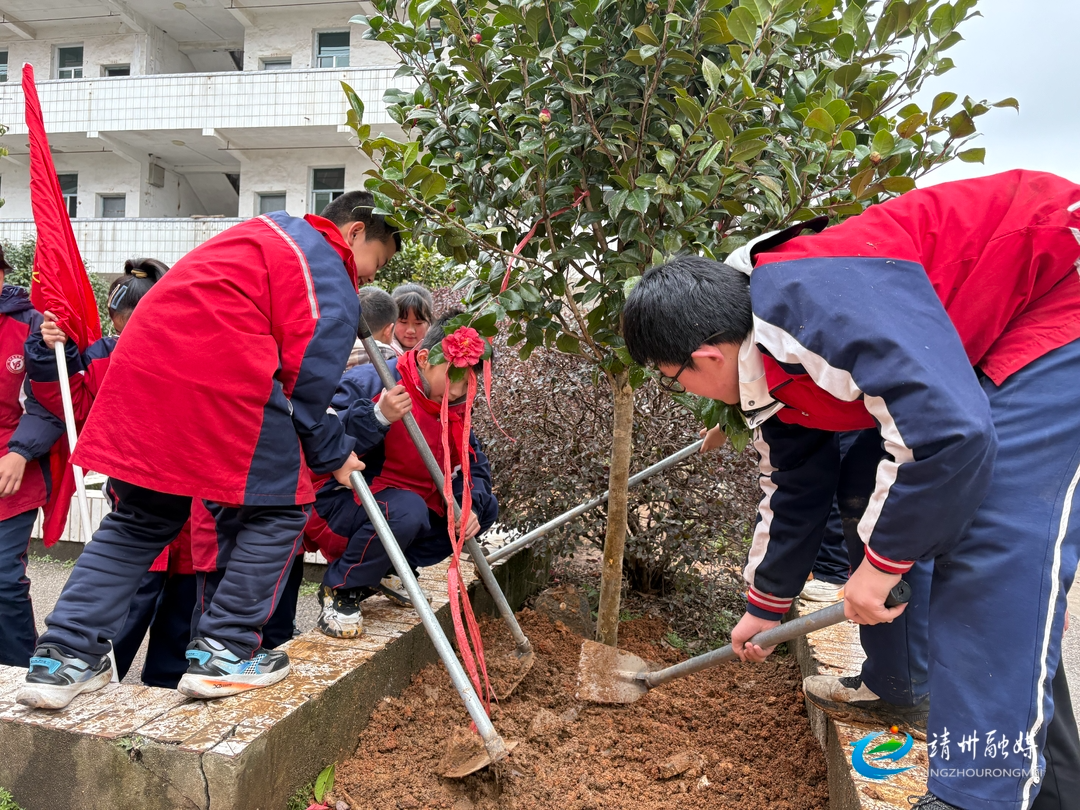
x,y
836,651
143,748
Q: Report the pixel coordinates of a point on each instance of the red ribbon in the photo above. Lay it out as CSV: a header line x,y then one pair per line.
x,y
580,195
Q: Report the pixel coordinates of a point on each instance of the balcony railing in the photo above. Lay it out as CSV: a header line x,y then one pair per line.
x,y
106,243
186,101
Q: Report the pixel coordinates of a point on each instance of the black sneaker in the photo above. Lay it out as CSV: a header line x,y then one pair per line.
x,y
929,802
216,671
848,698
341,616
54,679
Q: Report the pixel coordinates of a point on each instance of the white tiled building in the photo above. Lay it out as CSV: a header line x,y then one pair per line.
x,y
170,121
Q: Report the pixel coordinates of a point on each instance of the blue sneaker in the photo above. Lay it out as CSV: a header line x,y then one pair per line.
x,y
54,679
215,672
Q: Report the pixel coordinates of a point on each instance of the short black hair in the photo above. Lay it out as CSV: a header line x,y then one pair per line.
x,y
378,308
359,206
681,305
415,300
128,290
437,331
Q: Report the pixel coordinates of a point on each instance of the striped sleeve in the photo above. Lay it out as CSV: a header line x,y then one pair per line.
x,y
874,329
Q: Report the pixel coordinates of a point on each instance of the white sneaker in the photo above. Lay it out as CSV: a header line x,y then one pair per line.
x,y
818,590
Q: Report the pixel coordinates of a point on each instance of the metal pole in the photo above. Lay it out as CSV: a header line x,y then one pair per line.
x,y
494,744
530,538
476,554
834,614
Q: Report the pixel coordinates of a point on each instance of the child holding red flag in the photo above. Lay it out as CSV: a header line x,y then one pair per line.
x,y
219,391
25,483
413,506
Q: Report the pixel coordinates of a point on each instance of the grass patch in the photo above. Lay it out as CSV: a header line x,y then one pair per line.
x,y
309,588
47,558
7,801
300,800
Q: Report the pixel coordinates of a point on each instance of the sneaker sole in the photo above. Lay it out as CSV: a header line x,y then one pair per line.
x,y
352,631
399,598
206,687
848,712
49,696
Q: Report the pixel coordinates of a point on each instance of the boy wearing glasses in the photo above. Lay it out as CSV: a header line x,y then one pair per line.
x,y
946,325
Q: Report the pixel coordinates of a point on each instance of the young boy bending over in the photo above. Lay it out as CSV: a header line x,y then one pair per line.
x,y
413,506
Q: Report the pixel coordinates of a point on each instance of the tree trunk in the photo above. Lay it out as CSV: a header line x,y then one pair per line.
x,y
607,621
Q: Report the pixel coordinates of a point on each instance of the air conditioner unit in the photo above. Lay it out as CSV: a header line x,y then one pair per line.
x,y
156,175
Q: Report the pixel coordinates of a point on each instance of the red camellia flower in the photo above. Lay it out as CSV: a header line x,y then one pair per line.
x,y
463,348
545,116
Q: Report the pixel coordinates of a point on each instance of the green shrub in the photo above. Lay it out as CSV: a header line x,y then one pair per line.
x,y
418,264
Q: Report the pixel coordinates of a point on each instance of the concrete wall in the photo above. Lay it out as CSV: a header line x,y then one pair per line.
x,y
155,52
286,33
289,170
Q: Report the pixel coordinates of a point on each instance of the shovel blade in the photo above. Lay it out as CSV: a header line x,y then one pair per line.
x,y
512,670
609,675
465,754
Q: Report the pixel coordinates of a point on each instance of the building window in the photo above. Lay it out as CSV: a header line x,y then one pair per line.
x,y
277,63
3,66
332,50
69,62
275,201
326,185
113,205
117,70
69,187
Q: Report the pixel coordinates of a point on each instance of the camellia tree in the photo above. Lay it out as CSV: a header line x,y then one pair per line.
x,y
561,147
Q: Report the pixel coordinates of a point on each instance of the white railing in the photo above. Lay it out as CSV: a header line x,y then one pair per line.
x,y
186,101
106,243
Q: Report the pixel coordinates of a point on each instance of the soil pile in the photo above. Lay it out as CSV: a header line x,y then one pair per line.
x,y
732,737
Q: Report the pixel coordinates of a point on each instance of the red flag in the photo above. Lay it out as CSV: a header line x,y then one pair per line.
x,y
60,283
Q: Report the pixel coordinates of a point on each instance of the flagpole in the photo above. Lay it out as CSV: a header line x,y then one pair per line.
x,y
69,421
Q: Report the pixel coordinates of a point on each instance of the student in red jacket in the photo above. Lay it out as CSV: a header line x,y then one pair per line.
x,y
218,390
414,508
27,434
945,325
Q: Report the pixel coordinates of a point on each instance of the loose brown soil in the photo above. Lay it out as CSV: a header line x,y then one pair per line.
x,y
733,737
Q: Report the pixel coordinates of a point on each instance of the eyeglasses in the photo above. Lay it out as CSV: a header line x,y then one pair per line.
x,y
672,384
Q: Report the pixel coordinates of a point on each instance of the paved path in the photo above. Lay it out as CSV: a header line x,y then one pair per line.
x,y
47,578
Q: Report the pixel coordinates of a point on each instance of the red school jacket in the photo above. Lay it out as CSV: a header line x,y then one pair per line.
x,y
219,387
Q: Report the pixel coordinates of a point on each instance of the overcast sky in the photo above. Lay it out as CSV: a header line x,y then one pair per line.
x,y
1028,50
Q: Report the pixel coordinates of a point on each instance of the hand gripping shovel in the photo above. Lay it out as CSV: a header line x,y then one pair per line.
x,y
609,675
464,758
509,676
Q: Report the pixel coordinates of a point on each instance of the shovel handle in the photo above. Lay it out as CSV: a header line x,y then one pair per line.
x,y
834,614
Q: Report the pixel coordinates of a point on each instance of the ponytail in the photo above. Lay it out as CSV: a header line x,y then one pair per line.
x,y
139,276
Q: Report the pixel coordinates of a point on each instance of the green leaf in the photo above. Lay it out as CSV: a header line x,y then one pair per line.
x,y
638,200
883,142
646,35
568,343
411,153
616,203
714,30
847,140
942,101
720,127
898,185
846,75
819,118
711,73
325,783
667,159
1008,102
432,186
709,157
973,155
746,151
358,106
742,25
508,15
961,125
485,324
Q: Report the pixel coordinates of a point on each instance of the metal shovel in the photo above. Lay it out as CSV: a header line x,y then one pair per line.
x,y
524,658
609,675
461,759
